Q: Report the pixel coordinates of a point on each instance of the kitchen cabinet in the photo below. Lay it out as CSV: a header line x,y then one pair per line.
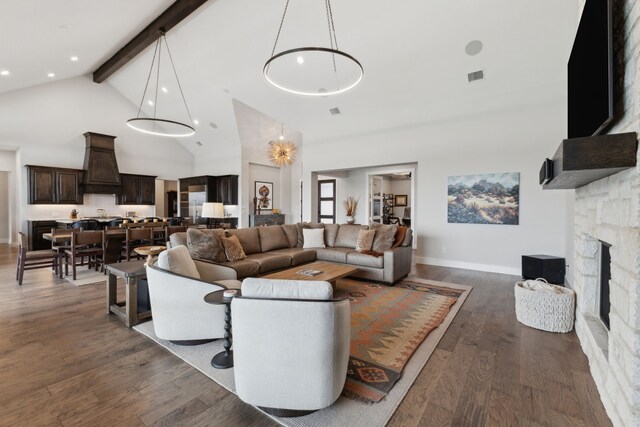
x,y
34,231
227,189
50,185
137,190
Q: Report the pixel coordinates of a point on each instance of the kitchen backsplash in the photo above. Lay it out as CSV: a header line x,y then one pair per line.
x,y
92,202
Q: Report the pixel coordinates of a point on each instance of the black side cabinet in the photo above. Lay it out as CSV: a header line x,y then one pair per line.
x,y
34,231
550,268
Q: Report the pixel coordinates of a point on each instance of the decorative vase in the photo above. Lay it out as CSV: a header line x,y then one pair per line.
x,y
350,219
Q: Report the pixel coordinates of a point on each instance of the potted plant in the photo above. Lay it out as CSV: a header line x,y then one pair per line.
x,y
350,205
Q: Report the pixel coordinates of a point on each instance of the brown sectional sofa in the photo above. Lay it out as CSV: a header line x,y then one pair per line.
x,y
279,247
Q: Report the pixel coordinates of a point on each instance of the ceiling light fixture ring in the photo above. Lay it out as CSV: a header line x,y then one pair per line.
x,y
134,124
265,70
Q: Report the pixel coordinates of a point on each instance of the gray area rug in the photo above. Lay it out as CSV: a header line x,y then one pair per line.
x,y
345,411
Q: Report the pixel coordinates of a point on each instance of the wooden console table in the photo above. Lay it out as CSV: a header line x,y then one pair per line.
x,y
130,271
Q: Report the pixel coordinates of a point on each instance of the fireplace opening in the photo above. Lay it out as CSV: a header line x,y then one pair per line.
x,y
605,277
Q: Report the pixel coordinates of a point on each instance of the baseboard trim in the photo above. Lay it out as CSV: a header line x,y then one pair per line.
x,y
5,241
468,265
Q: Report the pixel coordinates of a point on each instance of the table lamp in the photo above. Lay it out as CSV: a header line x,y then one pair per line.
x,y
213,210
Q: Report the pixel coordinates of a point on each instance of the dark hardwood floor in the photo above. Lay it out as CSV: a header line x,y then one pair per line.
x,y
64,361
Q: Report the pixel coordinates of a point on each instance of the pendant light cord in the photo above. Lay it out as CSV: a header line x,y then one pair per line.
x,y
178,80
144,94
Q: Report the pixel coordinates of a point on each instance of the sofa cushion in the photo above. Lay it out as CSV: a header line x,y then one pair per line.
x,y
364,260
272,237
232,248
348,235
206,244
244,268
407,237
178,260
330,233
298,255
313,238
249,239
333,254
291,231
399,238
290,289
365,240
270,261
385,233
177,239
302,225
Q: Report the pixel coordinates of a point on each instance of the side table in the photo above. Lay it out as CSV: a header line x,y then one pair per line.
x,y
130,271
224,359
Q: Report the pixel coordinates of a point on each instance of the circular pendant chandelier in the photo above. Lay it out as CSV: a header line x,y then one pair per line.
x,y
313,71
154,125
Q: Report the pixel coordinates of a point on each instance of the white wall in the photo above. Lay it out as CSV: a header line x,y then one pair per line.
x,y
512,141
8,165
47,123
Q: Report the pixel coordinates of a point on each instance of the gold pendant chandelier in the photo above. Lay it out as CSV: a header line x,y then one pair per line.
x,y
282,152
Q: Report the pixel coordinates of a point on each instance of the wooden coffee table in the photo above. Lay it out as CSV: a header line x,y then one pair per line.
x,y
330,272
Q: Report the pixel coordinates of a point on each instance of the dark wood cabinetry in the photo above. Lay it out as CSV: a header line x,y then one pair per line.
x,y
34,230
137,190
49,185
227,189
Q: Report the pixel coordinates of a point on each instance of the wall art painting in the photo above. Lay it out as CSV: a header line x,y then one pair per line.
x,y
264,195
484,199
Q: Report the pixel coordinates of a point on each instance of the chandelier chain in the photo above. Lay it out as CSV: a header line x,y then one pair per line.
x,y
178,80
144,94
332,36
286,6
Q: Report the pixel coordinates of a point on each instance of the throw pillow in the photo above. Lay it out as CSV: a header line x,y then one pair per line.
x,y
205,244
177,260
233,248
365,240
402,231
302,225
384,236
313,238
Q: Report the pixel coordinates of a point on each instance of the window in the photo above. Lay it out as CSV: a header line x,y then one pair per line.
x,y
327,201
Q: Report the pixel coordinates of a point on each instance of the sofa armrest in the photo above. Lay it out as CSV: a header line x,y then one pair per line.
x,y
211,271
397,263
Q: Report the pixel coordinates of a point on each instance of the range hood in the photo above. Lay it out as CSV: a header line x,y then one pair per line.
x,y
101,174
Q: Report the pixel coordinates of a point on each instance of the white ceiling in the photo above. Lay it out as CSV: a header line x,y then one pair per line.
x,y
413,54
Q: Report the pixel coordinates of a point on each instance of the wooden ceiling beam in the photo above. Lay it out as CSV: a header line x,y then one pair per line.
x,y
171,17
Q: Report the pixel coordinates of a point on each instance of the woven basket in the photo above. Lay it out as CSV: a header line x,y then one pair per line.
x,y
546,311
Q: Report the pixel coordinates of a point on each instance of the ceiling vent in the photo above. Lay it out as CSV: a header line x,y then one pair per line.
x,y
335,111
475,76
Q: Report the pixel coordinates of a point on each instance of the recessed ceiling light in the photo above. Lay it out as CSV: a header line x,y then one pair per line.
x,y
64,26
5,73
300,60
51,74
473,48
196,121
74,58
213,125
225,90
150,102
164,89
198,143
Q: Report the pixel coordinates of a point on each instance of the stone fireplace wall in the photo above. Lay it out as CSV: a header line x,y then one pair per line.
x,y
609,210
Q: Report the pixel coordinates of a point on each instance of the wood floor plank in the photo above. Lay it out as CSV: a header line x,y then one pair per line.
x,y
64,361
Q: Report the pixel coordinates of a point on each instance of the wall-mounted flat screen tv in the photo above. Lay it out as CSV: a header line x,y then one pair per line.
x,y
590,72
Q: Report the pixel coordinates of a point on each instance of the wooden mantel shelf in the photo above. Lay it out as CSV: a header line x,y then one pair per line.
x,y
579,161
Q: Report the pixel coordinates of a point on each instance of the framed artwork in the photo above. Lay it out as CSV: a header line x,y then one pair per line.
x,y
264,195
401,200
484,199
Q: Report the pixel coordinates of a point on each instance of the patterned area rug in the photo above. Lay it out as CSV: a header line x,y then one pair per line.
x,y
387,325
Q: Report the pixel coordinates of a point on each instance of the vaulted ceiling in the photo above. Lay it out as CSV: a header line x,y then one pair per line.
x,y
413,53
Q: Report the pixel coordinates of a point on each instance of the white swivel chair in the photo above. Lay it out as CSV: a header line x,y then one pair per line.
x,y
290,345
177,286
